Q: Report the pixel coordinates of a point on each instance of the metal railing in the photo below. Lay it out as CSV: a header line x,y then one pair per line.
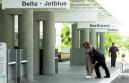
x,y
17,63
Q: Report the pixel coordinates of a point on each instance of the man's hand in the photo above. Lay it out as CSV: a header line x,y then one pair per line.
x,y
93,65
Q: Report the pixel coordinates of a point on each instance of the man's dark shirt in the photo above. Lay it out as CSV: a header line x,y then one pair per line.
x,y
96,56
113,50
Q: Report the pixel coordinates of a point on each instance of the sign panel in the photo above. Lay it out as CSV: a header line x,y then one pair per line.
x,y
102,23
107,30
96,25
3,63
2,59
36,4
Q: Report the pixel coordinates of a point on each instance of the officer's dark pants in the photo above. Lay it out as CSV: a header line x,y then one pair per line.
x,y
113,60
103,64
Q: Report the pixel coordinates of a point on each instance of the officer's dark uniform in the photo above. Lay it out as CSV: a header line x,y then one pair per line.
x,y
99,60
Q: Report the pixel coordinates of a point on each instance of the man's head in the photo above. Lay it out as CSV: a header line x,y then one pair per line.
x,y
87,45
113,44
123,55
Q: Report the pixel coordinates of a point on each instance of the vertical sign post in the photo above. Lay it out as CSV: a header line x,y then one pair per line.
x,y
3,63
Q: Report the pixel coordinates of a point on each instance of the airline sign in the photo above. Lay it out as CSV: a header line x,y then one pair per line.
x,y
65,4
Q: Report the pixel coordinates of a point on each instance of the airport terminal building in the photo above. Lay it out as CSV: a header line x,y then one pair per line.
x,y
89,21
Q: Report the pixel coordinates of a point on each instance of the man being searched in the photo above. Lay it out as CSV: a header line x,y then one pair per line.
x,y
89,65
113,53
98,60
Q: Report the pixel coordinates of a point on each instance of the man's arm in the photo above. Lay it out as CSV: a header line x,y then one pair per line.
x,y
109,51
109,54
117,50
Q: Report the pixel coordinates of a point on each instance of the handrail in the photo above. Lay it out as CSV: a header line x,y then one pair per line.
x,y
13,63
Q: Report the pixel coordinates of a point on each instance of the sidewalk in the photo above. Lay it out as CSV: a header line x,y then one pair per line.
x,y
75,74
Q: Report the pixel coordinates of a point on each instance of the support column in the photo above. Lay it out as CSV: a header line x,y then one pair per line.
x,y
93,37
6,28
36,47
25,38
75,36
84,36
102,42
97,40
75,46
49,44
81,37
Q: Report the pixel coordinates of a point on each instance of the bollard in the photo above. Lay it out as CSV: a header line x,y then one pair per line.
x,y
56,60
122,68
18,64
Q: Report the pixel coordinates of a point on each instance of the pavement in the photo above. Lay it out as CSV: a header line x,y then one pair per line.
x,y
75,74
123,77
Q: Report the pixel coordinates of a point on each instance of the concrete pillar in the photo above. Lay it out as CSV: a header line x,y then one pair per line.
x,y
36,46
49,44
102,41
75,36
81,37
75,44
25,38
93,37
6,28
84,36
97,40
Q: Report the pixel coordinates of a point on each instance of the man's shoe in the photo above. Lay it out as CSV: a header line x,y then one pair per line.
x,y
106,76
97,77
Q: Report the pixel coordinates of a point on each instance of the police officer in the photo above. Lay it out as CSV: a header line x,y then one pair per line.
x,y
98,60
